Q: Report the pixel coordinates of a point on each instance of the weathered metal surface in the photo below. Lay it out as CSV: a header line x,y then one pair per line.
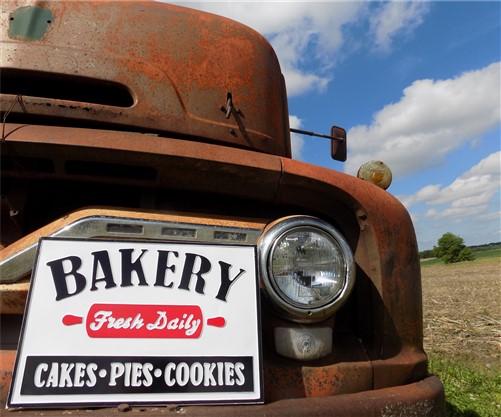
x,y
347,369
386,253
179,65
375,224
7,358
196,78
267,178
13,297
177,164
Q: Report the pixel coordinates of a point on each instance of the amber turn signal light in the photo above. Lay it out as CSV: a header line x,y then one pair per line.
x,y
376,172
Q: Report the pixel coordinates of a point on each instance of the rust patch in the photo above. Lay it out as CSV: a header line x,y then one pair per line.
x,y
424,408
7,358
178,63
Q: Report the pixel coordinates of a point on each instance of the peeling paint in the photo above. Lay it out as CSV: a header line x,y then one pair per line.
x,y
29,23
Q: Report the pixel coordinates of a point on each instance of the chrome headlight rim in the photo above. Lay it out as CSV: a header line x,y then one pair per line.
x,y
293,310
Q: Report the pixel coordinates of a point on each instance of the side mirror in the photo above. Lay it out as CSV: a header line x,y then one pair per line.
x,y
338,143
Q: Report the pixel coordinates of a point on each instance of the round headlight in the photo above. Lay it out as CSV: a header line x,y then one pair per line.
x,y
307,267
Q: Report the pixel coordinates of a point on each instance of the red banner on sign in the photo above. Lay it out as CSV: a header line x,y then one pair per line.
x,y
144,321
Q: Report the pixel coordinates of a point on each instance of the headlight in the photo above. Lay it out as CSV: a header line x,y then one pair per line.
x,y
307,267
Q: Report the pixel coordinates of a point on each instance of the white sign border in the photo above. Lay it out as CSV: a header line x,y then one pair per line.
x,y
76,405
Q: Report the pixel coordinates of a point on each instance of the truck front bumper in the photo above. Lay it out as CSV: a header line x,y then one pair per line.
x,y
420,399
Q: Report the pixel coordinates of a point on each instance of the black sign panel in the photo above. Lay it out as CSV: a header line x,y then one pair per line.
x,y
56,375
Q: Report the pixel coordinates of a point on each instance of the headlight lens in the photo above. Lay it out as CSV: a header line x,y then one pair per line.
x,y
307,267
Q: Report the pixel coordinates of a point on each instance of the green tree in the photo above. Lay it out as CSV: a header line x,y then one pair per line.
x,y
451,248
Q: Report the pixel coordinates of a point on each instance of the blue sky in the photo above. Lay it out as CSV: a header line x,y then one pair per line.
x,y
415,84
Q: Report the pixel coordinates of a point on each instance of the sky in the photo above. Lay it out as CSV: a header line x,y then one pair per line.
x,y
415,84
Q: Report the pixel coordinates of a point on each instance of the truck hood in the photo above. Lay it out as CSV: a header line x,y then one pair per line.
x,y
145,67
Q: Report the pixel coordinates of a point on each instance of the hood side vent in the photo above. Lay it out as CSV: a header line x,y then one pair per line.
x,y
64,87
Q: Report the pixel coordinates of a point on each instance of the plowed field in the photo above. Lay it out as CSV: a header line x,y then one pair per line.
x,y
462,310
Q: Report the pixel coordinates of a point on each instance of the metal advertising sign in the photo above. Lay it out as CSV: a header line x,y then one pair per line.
x,y
139,322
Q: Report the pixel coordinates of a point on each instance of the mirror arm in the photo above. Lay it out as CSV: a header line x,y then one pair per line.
x,y
337,138
318,135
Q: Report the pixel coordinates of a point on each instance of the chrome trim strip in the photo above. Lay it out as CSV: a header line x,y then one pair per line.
x,y
20,263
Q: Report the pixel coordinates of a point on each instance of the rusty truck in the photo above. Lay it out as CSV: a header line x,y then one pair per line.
x,y
144,128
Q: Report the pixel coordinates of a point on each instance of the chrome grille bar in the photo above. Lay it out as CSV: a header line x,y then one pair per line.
x,y
18,265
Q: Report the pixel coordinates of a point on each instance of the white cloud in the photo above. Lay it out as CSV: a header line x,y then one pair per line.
x,y
487,166
495,215
456,212
299,82
422,195
297,141
431,119
469,206
469,194
395,18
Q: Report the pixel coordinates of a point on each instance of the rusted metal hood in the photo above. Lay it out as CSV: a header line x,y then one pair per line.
x,y
160,68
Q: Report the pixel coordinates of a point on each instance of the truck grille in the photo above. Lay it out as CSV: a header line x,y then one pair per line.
x,y
19,264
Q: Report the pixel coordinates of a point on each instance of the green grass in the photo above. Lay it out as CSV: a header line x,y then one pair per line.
x,y
470,391
489,253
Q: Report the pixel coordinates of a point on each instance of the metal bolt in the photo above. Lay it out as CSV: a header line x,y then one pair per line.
x,y
123,408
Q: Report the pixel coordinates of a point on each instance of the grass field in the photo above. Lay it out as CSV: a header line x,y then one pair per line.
x,y
489,253
462,332
478,253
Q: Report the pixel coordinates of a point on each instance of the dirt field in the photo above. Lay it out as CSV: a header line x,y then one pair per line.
x,y
462,310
